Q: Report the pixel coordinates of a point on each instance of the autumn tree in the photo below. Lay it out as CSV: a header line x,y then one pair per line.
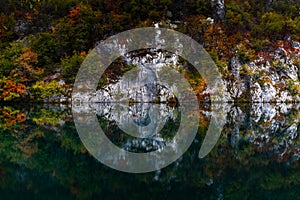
x,y
19,70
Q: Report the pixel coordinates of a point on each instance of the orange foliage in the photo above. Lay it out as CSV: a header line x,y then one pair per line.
x,y
74,15
28,16
10,118
203,122
224,45
28,57
28,149
11,89
24,70
198,84
28,146
215,36
83,54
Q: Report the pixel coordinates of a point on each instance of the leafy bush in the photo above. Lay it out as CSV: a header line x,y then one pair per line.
x,y
70,66
244,53
11,90
42,90
49,50
8,57
294,87
7,34
79,30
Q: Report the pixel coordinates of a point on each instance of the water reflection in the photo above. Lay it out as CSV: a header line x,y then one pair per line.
x,y
272,128
159,148
137,127
257,154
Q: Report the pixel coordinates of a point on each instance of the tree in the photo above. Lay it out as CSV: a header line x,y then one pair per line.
x,y
18,64
11,90
71,65
79,30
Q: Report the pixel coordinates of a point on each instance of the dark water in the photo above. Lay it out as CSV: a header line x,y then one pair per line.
x,y
256,156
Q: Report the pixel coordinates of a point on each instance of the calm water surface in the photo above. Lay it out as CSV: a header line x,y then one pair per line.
x,y
256,156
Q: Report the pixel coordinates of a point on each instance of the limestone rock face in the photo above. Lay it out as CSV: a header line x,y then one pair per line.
x,y
218,7
270,77
273,77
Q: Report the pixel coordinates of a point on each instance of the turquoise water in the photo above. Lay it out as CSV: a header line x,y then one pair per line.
x,y
256,156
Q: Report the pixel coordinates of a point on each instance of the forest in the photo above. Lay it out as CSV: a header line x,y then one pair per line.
x,y
44,42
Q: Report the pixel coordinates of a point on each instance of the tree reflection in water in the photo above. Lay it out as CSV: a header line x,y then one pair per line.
x,y
256,156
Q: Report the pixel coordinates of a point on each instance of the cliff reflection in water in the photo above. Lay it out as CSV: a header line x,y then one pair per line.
x,y
270,128
256,155
140,127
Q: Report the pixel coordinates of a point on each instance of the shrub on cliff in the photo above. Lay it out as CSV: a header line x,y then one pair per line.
x,y
41,90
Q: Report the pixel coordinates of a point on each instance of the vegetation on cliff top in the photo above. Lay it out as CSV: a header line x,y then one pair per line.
x,y
45,41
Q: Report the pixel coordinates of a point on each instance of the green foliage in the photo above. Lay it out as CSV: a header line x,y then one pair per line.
x,y
47,117
49,50
220,64
79,30
41,90
57,8
7,34
70,66
8,57
293,87
237,17
287,8
51,155
58,31
244,53
70,139
273,25
139,9
245,70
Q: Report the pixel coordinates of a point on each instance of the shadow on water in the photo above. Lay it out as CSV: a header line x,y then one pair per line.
x,y
256,156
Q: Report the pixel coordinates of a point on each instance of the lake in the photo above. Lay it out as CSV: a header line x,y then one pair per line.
x,y
256,155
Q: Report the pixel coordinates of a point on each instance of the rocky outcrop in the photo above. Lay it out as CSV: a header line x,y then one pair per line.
x,y
154,79
218,7
271,77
